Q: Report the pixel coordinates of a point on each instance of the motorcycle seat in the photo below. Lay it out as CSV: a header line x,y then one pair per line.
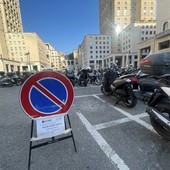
x,y
119,82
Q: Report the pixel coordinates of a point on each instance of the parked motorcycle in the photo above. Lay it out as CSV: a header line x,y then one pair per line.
x,y
144,86
159,109
16,78
95,77
83,77
121,89
70,75
6,81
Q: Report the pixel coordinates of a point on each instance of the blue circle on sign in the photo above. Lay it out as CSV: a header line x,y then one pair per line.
x,y
43,103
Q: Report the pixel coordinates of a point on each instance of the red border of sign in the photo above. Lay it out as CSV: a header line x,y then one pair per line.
x,y
29,83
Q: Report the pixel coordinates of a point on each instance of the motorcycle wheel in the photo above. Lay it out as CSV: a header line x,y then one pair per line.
x,y
161,130
10,84
104,91
85,83
19,82
98,81
130,100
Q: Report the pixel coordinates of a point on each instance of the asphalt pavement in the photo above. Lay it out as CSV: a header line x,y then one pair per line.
x,y
107,136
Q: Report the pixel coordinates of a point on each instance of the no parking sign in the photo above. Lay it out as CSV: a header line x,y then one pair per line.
x,y
46,97
46,93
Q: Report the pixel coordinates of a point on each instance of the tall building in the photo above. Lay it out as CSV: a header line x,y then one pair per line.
x,y
11,16
115,15
19,51
128,22
145,10
106,16
10,22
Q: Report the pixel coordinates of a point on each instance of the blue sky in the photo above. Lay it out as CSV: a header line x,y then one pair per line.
x,y
63,23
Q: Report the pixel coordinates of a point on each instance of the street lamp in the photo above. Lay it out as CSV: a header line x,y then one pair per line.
x,y
28,60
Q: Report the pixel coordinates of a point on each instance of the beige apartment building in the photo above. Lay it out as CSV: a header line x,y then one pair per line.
x,y
161,41
56,59
145,11
28,50
10,22
19,51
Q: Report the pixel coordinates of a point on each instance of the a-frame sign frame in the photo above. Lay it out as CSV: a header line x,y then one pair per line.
x,y
52,139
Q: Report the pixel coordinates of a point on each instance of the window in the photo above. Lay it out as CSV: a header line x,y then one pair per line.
x,y
165,26
164,45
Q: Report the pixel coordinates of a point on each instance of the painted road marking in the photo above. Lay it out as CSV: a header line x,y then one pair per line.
x,y
94,95
86,95
110,153
128,115
139,121
117,122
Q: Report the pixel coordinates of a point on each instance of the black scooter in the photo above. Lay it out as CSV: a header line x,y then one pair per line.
x,y
121,89
83,77
159,108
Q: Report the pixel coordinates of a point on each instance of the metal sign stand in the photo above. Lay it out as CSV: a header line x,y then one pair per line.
x,y
53,139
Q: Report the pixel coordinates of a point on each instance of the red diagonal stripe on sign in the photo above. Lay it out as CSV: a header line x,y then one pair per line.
x,y
48,94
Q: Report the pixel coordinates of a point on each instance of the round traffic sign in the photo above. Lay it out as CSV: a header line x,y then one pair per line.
x,y
46,93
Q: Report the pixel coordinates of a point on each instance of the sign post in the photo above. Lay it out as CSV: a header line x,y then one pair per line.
x,y
46,98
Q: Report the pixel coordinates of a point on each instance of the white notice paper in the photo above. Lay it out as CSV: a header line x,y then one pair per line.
x,y
50,126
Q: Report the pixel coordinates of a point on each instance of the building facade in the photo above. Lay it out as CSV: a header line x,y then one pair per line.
x,y
133,22
93,49
161,41
10,22
129,47
56,60
20,51
118,14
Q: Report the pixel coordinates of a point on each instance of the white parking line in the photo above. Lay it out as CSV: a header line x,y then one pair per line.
x,y
86,95
136,119
117,122
88,86
94,95
110,153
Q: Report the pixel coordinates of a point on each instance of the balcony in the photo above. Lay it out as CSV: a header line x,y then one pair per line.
x,y
162,34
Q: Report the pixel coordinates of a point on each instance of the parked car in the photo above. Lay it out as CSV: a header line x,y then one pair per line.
x,y
156,64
